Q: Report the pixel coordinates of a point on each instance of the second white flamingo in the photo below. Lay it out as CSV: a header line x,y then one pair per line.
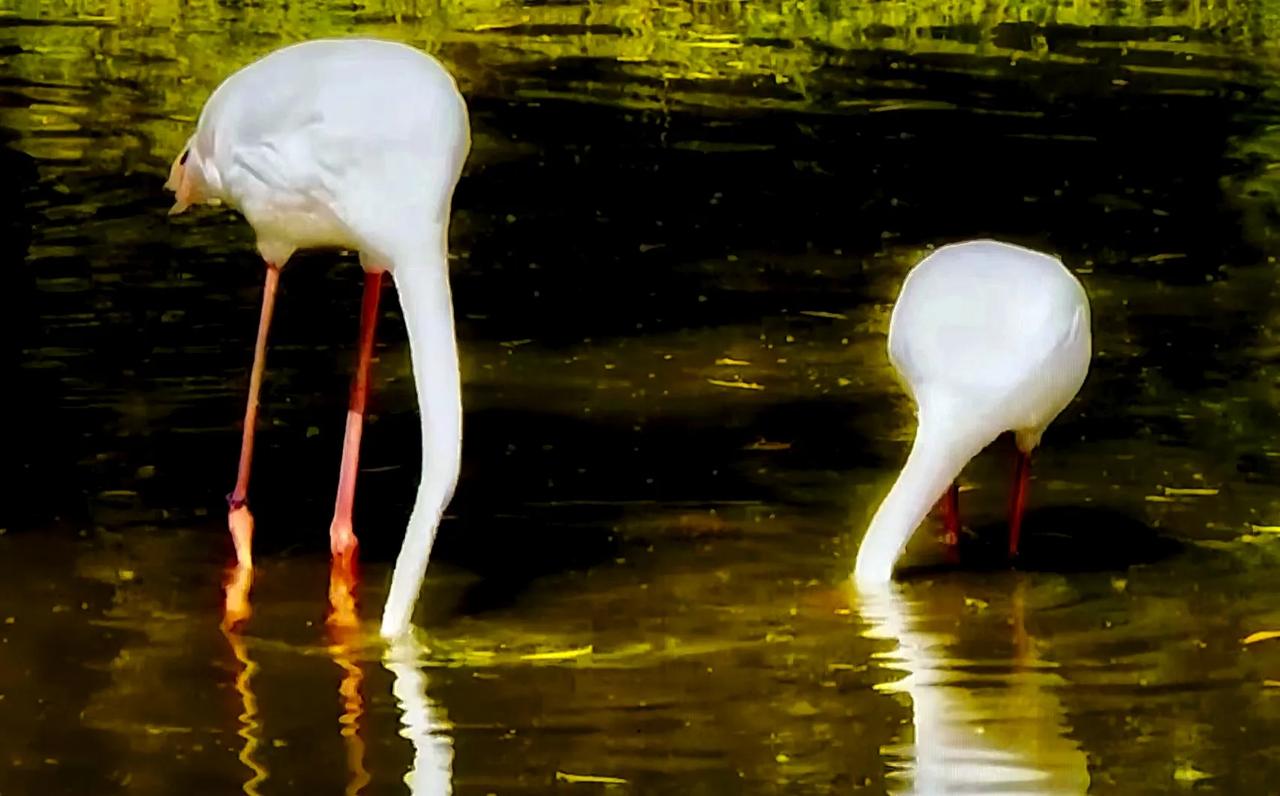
x,y
986,337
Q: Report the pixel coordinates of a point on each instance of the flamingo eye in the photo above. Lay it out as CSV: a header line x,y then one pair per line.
x,y
183,160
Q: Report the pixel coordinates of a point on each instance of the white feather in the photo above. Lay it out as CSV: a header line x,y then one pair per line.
x,y
987,337
358,144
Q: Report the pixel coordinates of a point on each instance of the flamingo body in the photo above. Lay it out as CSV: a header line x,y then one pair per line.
x,y
355,144
345,143
986,337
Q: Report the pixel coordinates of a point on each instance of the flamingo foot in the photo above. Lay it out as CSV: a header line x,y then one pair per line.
x,y
236,609
240,521
342,540
343,580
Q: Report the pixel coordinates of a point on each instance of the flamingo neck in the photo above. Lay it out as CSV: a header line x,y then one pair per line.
x,y
945,441
422,282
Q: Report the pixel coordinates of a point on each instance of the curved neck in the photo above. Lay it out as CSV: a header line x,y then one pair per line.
x,y
943,445
425,301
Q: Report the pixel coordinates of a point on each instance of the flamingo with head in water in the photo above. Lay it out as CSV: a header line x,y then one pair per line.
x,y
986,337
353,144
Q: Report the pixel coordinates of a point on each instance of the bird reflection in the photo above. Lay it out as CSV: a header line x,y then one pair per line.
x,y
423,723
990,724
250,728
422,720
343,623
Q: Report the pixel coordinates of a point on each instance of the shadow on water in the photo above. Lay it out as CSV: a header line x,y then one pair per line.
x,y
1060,539
25,417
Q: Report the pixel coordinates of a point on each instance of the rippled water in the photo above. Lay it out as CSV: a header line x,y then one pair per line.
x,y
675,248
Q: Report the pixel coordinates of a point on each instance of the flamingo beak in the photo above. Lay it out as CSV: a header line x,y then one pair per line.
x,y
183,198
180,183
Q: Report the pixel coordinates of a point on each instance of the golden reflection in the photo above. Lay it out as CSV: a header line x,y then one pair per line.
x,y
344,631
249,725
992,722
236,611
423,723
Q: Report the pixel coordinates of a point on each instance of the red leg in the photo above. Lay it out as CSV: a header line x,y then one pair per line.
x,y
238,517
1018,500
342,540
951,521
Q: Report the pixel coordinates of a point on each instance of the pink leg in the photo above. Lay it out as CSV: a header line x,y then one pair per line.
x,y
342,539
238,517
951,521
1018,500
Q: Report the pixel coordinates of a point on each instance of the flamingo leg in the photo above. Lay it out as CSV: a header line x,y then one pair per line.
x,y
951,521
342,539
1018,499
239,520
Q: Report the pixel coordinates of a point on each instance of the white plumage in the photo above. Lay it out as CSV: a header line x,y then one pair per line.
x,y
355,144
986,337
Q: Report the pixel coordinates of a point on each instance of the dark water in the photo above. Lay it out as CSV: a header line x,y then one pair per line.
x,y
675,248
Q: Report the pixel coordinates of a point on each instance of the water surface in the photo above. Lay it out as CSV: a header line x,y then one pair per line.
x,y
674,252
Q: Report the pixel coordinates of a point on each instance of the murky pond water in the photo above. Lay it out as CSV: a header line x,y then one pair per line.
x,y
675,249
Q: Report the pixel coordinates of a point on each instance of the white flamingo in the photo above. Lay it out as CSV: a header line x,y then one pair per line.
x,y
354,144
986,337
